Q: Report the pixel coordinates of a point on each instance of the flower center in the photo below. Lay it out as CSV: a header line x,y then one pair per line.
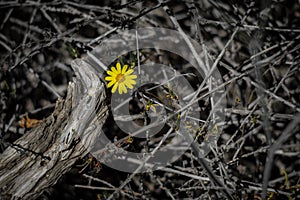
x,y
120,78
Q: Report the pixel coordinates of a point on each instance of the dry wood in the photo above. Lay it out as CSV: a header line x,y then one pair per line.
x,y
37,160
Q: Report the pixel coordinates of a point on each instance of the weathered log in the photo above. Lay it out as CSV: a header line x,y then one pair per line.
x,y
37,160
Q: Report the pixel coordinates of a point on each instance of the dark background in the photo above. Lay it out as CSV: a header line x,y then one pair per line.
x,y
39,39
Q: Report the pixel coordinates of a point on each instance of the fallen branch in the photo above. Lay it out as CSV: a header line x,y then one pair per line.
x,y
37,160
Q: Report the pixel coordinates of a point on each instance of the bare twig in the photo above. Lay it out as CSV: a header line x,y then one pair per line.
x,y
286,134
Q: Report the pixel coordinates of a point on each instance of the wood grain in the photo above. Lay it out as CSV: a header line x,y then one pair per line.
x,y
37,160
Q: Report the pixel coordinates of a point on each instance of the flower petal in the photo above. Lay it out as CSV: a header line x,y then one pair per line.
x,y
113,90
130,81
114,71
125,67
111,83
119,68
131,77
130,71
124,88
120,89
109,78
130,86
110,73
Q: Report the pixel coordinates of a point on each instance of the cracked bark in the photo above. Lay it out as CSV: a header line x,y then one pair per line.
x,y
58,141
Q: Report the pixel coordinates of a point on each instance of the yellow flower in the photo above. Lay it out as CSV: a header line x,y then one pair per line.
x,y
120,78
